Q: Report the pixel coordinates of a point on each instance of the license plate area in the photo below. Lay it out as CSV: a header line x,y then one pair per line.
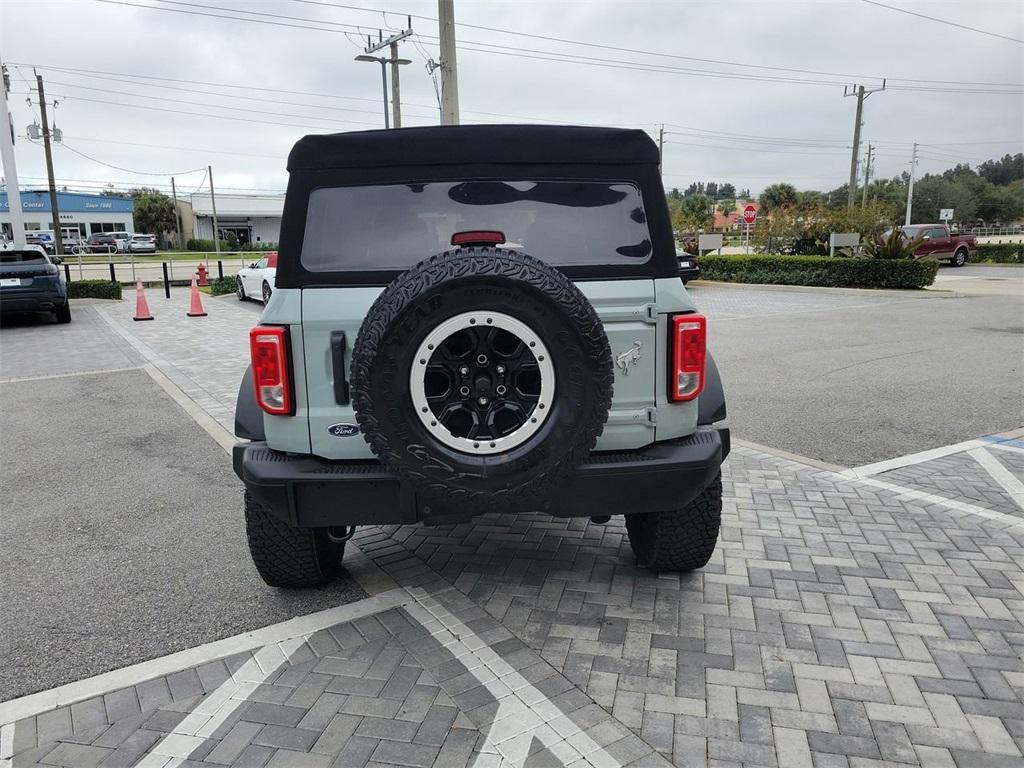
x,y
10,282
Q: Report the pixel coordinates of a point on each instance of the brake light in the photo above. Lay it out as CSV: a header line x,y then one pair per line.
x,y
689,346
478,237
271,376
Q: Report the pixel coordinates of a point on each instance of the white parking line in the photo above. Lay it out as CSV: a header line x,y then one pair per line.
x,y
914,458
302,626
1014,488
524,713
930,498
202,722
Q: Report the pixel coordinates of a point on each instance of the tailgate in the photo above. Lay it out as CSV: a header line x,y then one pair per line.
x,y
624,306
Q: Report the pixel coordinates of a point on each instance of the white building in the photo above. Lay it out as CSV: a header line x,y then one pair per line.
x,y
252,218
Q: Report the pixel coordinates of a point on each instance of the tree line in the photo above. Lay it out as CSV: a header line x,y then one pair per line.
x,y
990,194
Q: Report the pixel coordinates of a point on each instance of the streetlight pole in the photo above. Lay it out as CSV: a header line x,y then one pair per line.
x,y
395,63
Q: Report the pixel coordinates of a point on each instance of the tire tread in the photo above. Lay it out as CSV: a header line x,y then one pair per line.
x,y
287,556
679,540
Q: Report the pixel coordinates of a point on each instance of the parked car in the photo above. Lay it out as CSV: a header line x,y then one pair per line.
x,y
689,268
43,239
72,243
939,242
103,242
122,239
257,280
142,244
414,370
31,282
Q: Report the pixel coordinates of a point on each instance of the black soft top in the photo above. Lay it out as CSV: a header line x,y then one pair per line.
x,y
474,144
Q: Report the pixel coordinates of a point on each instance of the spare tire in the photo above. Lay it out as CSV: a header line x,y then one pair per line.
x,y
482,377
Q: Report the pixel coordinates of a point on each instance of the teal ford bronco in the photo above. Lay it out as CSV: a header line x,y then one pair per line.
x,y
474,319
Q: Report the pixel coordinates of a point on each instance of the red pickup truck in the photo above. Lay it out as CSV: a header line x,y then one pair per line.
x,y
938,242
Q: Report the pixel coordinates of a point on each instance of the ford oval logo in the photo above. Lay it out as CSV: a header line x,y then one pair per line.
x,y
343,430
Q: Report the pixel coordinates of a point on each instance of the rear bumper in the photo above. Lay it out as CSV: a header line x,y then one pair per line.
x,y
308,491
14,301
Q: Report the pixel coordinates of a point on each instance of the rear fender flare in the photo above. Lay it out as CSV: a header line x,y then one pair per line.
x,y
248,415
711,403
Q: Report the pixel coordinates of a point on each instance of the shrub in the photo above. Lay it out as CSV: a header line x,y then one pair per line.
x,y
892,246
220,286
820,271
1002,253
94,289
198,244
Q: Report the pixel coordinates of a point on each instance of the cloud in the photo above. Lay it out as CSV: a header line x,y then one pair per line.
x,y
727,124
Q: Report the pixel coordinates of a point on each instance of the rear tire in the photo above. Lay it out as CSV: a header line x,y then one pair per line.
x,y
288,556
678,539
959,258
63,313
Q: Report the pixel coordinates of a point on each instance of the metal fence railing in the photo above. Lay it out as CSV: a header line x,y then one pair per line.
x,y
1013,229
160,269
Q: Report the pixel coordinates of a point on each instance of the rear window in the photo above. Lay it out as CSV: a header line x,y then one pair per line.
x,y
22,257
393,227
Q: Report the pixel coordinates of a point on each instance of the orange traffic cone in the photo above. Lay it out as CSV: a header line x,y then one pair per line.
x,y
196,309
141,305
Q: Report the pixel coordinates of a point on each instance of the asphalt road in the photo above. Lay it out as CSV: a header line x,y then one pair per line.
x,y
850,382
122,533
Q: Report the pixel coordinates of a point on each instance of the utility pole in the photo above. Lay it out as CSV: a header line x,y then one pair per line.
x,y
213,202
9,168
861,93
58,241
395,62
177,213
396,100
867,178
661,147
910,187
449,64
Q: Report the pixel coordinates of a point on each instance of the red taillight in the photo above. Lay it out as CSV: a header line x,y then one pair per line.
x,y
268,346
478,237
689,345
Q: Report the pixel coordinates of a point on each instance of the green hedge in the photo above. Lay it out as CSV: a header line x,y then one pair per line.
x,y
819,270
220,286
1002,253
94,289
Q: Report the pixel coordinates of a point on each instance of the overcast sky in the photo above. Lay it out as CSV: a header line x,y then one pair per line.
x,y
749,125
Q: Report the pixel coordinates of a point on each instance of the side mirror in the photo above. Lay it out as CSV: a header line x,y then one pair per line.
x,y
927,237
56,259
253,265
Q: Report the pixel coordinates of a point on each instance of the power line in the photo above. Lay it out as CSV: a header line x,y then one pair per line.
x,y
279,156
620,49
126,170
223,95
942,21
117,77
526,53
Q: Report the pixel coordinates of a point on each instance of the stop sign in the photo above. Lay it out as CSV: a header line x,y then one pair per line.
x,y
750,214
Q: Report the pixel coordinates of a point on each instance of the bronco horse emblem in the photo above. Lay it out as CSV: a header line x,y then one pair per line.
x,y
629,357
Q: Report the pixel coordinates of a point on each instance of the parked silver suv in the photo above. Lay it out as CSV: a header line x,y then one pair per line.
x,y
473,319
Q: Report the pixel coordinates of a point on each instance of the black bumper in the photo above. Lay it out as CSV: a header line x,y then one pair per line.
x,y
308,491
17,301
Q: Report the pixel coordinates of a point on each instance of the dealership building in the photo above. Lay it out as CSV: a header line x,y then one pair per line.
x,y
251,218
88,214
